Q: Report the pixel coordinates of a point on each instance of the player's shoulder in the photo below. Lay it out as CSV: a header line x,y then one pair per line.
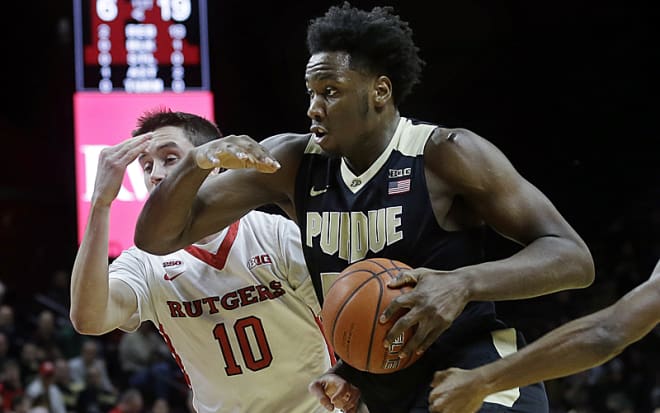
x,y
453,147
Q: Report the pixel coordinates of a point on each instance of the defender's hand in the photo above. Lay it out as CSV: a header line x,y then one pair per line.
x,y
456,391
113,162
235,152
334,392
438,297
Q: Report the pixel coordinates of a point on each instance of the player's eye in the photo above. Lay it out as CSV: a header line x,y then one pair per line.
x,y
171,159
147,167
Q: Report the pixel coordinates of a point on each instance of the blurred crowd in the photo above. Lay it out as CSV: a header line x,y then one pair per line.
x,y
45,366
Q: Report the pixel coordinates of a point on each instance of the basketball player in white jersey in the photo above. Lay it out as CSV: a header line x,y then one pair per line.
x,y
237,308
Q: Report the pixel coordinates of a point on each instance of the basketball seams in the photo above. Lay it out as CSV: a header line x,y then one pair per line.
x,y
375,319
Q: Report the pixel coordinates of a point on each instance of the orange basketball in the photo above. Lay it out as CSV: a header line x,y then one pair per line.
x,y
350,315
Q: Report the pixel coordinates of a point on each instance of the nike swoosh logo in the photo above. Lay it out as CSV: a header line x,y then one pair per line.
x,y
168,278
314,192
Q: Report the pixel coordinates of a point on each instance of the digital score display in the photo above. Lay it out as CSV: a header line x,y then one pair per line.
x,y
141,46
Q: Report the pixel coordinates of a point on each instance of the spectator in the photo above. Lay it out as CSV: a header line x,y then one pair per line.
x,y
30,359
20,404
44,335
147,361
7,322
11,386
95,398
160,406
89,357
4,350
130,402
44,386
69,388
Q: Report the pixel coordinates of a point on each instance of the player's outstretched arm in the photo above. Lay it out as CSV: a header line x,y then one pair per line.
x,y
97,304
186,206
576,346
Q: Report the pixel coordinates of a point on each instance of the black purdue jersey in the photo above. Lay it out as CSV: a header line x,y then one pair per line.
x,y
386,212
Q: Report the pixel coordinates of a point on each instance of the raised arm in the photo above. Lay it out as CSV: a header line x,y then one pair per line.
x,y
483,186
97,304
186,206
576,346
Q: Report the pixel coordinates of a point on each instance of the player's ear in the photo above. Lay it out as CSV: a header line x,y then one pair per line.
x,y
382,91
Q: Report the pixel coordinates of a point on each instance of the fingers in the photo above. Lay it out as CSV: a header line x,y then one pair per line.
x,y
127,151
134,146
346,397
318,390
394,307
236,152
406,277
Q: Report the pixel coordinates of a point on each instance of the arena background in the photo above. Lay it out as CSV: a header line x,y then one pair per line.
x,y
567,89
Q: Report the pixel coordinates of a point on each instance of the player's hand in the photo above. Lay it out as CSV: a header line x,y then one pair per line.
x,y
456,391
334,392
438,297
235,152
113,162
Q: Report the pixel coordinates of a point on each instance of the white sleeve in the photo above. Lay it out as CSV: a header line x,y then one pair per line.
x,y
132,267
296,268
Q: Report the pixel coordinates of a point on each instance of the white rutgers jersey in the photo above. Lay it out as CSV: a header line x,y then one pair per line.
x,y
238,314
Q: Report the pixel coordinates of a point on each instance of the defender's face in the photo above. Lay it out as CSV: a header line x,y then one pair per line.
x,y
167,147
339,104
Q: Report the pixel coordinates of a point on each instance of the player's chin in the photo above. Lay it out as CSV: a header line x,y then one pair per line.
x,y
331,150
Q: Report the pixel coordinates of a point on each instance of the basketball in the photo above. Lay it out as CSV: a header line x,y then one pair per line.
x,y
350,315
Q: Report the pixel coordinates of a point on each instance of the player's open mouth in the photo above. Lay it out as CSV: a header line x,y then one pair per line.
x,y
319,132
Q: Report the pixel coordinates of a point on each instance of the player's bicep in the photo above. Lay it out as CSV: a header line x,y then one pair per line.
x,y
517,209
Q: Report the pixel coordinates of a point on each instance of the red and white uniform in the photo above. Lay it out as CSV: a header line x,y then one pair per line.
x,y
238,314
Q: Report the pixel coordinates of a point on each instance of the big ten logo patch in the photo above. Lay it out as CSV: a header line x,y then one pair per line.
x,y
259,260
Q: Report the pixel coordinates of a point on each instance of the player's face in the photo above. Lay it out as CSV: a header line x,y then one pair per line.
x,y
167,147
339,104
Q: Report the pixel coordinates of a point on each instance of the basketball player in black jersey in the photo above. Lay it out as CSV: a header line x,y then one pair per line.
x,y
368,182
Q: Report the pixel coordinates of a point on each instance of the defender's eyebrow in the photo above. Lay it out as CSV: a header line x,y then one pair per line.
x,y
164,145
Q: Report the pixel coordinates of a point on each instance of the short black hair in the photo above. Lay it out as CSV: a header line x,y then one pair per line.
x,y
378,42
197,129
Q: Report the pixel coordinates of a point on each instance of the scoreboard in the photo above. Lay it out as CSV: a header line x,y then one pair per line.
x,y
141,46
132,56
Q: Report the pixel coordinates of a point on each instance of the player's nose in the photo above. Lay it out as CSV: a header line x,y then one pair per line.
x,y
157,174
316,110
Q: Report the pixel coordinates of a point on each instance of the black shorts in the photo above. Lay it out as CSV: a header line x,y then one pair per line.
x,y
407,390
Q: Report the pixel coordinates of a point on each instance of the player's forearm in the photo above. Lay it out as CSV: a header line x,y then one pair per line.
x,y
89,278
571,348
166,216
97,306
580,344
547,265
